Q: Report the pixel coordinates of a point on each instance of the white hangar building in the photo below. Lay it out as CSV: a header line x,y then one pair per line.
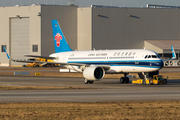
x,y
26,30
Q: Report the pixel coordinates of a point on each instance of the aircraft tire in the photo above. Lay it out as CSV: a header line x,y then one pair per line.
x,y
86,81
91,82
126,80
122,80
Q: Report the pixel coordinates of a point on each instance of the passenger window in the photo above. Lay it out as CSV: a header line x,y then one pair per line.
x,y
126,53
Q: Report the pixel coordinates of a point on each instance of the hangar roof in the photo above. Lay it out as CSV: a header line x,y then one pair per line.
x,y
161,46
165,44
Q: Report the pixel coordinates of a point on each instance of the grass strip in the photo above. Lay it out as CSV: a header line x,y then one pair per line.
x,y
130,110
39,88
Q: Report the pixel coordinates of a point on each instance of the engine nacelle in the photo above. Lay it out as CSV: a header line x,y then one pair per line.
x,y
94,73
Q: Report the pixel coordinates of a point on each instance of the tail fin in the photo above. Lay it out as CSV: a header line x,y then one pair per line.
x,y
173,53
60,43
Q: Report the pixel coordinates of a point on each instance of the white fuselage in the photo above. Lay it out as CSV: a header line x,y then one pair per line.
x,y
120,61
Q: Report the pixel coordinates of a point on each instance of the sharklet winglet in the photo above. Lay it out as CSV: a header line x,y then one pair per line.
x,y
7,53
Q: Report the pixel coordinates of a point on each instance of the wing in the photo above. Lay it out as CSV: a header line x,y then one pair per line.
x,y
41,62
36,56
105,67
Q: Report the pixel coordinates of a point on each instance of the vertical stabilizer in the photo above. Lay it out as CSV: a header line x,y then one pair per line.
x,y
60,42
173,53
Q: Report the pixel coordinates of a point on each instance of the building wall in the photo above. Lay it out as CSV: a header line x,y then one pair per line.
x,y
67,18
7,13
121,28
150,46
84,26
91,27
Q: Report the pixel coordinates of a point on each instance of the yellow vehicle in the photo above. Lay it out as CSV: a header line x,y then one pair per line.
x,y
157,79
35,64
51,65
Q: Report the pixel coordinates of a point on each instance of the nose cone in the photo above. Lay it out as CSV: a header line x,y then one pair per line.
x,y
161,63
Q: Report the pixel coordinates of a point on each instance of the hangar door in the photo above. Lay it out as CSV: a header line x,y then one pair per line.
x,y
19,38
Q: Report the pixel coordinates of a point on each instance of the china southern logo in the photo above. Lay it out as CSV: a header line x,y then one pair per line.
x,y
58,37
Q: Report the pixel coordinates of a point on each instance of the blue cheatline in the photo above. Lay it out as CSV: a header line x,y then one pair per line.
x,y
60,42
132,64
122,62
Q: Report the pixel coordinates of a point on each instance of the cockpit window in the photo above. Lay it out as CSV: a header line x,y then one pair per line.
x,y
154,56
151,56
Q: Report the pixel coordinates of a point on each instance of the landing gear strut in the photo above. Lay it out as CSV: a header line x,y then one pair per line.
x,y
124,79
88,81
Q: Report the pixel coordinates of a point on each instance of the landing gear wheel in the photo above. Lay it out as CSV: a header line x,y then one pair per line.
x,y
126,80
121,80
165,80
86,81
91,82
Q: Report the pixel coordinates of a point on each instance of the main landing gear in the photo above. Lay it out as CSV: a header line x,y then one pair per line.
x,y
124,79
88,81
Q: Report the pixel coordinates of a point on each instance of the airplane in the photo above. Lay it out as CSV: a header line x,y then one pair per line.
x,y
94,64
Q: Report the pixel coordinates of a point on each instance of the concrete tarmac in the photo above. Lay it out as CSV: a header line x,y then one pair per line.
x,y
105,90
56,69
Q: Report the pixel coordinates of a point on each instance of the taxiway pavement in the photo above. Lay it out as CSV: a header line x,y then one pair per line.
x,y
105,90
56,69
